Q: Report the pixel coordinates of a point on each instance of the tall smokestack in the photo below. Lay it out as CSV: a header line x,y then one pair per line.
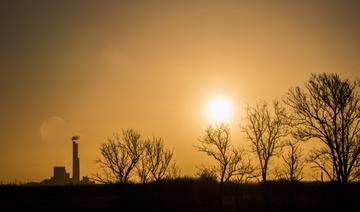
x,y
76,160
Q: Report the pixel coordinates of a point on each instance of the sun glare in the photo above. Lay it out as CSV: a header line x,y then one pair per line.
x,y
219,109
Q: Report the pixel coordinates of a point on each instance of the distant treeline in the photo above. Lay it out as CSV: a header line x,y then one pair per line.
x,y
325,111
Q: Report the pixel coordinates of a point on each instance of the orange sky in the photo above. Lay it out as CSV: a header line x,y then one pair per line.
x,y
95,67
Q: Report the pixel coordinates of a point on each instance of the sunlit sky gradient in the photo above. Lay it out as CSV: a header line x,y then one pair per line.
x,y
95,67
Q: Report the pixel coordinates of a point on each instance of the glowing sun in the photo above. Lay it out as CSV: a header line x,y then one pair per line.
x,y
219,109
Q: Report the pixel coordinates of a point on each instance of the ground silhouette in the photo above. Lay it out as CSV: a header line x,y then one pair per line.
x,y
184,194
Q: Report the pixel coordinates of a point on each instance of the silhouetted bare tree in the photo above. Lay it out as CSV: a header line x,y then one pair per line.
x,y
266,130
293,163
119,156
156,161
328,110
230,161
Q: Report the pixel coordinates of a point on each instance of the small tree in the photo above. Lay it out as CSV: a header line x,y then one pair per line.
x,y
265,130
156,161
206,174
158,158
229,161
293,163
119,156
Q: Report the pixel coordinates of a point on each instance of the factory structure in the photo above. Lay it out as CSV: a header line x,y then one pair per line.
x,y
61,177
76,160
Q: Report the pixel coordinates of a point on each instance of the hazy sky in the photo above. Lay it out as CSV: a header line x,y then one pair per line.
x,y
95,67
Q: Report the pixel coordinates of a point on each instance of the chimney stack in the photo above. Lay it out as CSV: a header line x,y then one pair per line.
x,y
76,161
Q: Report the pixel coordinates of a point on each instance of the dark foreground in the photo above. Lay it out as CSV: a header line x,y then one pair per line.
x,y
183,195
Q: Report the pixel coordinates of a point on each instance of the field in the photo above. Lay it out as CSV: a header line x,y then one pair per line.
x,y
183,195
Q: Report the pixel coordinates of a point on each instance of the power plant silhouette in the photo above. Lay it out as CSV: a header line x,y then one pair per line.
x,y
61,177
76,160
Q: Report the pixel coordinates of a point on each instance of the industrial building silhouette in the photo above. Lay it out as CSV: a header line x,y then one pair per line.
x,y
76,160
61,177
